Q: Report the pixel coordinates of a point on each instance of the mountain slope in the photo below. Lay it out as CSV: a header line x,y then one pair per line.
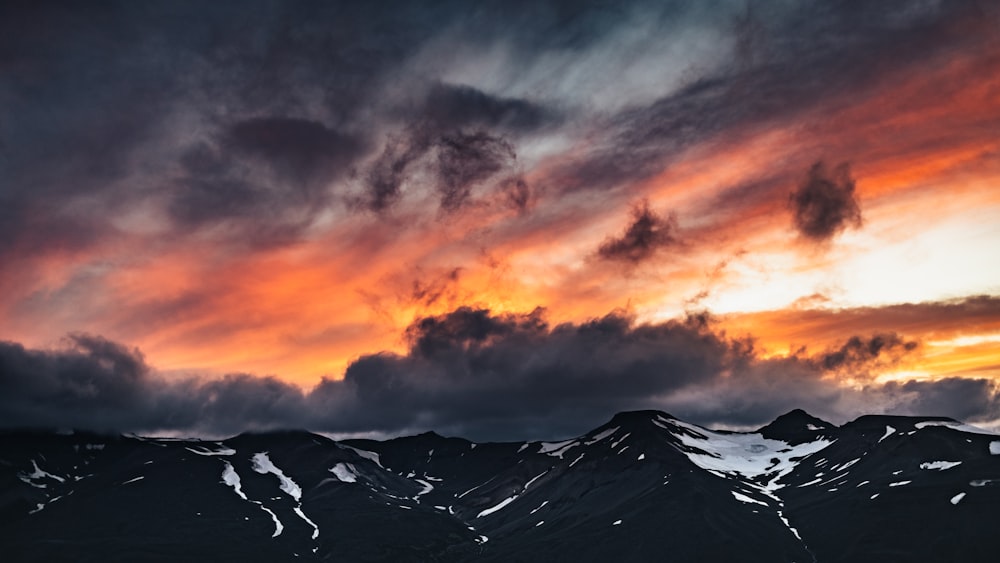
x,y
644,486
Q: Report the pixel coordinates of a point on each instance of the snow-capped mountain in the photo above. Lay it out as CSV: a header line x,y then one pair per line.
x,y
643,487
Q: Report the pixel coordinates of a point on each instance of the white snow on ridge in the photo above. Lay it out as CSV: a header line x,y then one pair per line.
x,y
427,488
602,435
846,465
38,473
888,432
900,483
204,450
302,515
499,506
262,464
344,472
134,480
743,498
231,478
614,445
372,456
939,465
955,426
533,479
957,498
539,507
748,455
557,449
278,526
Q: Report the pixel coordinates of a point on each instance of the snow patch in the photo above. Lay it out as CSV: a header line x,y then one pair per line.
x,y
540,522
557,449
620,440
743,498
344,472
846,465
533,479
302,515
427,488
204,450
231,478
38,473
900,483
748,455
954,426
995,448
539,507
262,464
939,465
616,523
641,457
133,480
888,432
602,436
278,526
499,506
371,456
957,498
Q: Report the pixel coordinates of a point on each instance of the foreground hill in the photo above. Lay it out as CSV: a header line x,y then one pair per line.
x,y
643,487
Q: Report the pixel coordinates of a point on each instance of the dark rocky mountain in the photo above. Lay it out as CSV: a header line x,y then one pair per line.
x,y
643,487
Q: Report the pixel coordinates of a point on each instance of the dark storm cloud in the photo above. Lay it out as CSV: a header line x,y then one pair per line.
x,y
955,397
464,160
645,235
389,172
455,106
825,204
105,100
860,354
480,374
300,149
265,177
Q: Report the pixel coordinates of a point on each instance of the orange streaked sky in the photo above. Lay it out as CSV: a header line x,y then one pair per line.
x,y
285,191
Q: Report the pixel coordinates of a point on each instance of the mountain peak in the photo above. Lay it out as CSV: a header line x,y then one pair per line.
x,y
795,426
626,417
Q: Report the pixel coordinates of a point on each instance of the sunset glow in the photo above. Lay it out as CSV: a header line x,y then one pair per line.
x,y
266,206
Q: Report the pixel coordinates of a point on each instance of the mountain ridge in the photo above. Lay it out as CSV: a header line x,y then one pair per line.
x,y
639,486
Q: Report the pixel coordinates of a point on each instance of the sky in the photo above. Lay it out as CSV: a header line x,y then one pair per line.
x,y
501,220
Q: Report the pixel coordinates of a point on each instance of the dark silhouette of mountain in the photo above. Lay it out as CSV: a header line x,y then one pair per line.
x,y
645,486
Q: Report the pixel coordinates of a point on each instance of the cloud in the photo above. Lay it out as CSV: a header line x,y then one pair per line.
x,y
466,159
825,204
858,355
645,235
301,150
457,106
481,374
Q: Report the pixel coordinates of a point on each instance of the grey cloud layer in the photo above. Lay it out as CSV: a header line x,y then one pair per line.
x,y
291,107
483,375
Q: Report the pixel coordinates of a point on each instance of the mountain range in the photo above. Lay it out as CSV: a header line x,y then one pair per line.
x,y
645,486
